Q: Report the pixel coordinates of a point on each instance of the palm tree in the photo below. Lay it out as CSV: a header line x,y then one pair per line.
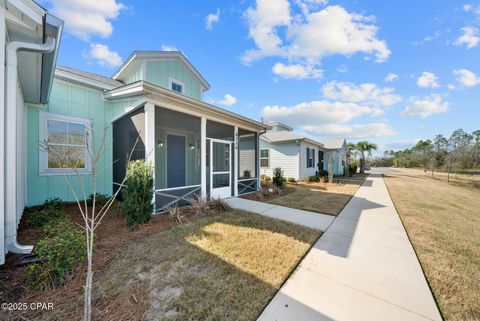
x,y
364,147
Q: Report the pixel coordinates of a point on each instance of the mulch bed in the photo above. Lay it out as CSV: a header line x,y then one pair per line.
x,y
112,236
268,193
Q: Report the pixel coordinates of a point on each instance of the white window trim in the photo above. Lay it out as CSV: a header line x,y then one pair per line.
x,y
178,82
267,158
43,154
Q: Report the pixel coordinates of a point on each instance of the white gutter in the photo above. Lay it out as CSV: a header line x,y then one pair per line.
x,y
11,81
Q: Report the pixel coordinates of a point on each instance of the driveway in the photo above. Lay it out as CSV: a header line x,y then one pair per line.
x,y
362,268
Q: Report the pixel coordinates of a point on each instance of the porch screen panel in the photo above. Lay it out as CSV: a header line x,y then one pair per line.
x,y
247,154
169,123
219,131
125,132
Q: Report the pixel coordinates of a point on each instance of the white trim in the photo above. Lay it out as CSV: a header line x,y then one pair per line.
x,y
247,179
203,156
172,81
175,188
80,80
2,136
43,169
267,158
235,162
221,189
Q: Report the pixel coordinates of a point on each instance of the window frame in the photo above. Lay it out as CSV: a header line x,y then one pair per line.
x,y
267,158
171,81
310,157
44,117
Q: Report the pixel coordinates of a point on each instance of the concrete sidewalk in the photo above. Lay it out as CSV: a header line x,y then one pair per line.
x,y
362,268
306,218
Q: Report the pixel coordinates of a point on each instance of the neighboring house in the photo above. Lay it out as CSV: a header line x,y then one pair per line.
x,y
298,156
196,148
337,150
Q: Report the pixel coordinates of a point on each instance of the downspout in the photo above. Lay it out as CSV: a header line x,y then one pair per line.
x,y
11,81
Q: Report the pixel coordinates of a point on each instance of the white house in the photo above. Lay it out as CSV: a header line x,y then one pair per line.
x,y
298,156
337,151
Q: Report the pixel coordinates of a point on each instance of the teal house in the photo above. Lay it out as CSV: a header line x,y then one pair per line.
x,y
55,116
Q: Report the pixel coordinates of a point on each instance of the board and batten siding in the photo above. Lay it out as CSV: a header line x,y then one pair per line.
x,y
71,100
159,72
135,76
284,155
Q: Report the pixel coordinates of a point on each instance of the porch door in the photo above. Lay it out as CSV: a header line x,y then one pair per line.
x,y
221,171
176,160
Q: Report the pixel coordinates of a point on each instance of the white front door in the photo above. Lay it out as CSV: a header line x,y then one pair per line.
x,y
221,171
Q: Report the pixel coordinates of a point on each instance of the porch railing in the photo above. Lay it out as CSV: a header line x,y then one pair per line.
x,y
164,198
248,185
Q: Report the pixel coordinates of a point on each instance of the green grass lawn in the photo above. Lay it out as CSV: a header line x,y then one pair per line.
x,y
226,267
443,223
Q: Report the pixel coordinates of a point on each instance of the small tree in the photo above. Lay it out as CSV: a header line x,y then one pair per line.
x,y
138,193
330,163
92,215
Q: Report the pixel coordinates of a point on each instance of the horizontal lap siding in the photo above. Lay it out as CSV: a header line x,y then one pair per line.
x,y
284,156
304,171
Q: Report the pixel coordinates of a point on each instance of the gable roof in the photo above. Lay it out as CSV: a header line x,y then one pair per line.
x,y
87,78
286,136
277,123
334,144
139,56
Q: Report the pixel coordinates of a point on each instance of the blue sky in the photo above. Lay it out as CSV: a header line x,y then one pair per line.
x,y
320,66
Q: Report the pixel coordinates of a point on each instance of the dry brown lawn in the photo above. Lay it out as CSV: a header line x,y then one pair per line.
x,y
322,198
443,223
225,267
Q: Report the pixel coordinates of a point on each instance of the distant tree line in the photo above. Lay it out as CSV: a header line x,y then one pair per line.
x,y
460,151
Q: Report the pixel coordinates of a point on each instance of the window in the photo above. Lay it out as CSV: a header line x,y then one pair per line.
x,y
265,158
64,144
176,85
310,157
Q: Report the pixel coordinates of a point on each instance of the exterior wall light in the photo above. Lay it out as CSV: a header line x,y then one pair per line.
x,y
160,143
192,147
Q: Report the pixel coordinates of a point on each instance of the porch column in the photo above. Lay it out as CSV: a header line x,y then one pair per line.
x,y
257,155
235,157
150,138
2,136
203,156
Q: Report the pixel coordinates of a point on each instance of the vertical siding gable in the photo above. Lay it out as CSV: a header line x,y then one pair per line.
x,y
158,73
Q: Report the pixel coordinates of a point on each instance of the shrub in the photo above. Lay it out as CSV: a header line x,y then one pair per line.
x,y
138,193
46,215
100,199
313,179
292,180
352,168
278,179
266,179
219,205
52,202
324,179
322,173
60,250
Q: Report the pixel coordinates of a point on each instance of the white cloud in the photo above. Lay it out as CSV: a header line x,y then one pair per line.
x,y
87,18
228,100
296,71
306,6
366,93
429,38
309,36
401,145
426,106
451,87
427,80
470,37
342,69
466,77
104,56
169,48
212,19
391,77
354,131
467,7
